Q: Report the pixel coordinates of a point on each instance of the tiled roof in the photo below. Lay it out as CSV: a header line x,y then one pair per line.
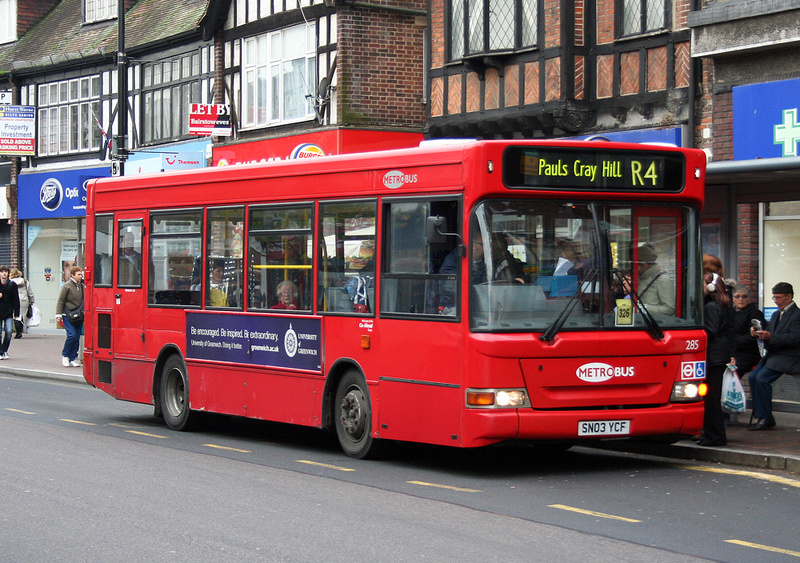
x,y
61,36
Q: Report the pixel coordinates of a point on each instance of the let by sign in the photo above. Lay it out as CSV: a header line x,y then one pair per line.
x,y
210,119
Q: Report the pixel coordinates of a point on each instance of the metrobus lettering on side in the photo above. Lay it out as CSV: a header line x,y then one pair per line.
x,y
459,294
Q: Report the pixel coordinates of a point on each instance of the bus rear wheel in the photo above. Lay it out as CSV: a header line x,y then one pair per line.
x,y
174,397
353,417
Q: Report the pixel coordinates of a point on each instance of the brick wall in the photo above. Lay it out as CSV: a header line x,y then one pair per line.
x,y
723,126
747,244
605,21
380,66
552,23
29,12
705,106
682,9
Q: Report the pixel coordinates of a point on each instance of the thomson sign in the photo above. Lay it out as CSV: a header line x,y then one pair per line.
x,y
597,372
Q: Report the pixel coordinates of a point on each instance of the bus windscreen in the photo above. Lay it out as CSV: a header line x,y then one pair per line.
x,y
571,168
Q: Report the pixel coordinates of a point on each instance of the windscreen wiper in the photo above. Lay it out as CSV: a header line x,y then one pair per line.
x,y
551,331
652,325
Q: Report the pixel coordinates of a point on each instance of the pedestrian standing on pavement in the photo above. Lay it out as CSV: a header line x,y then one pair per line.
x,y
747,352
9,309
26,299
719,353
70,299
781,339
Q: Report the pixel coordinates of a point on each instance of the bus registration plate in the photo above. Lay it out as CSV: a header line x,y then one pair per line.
x,y
604,427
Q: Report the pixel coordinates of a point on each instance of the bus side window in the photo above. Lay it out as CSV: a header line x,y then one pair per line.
x,y
129,269
103,249
279,258
346,274
420,276
225,252
175,245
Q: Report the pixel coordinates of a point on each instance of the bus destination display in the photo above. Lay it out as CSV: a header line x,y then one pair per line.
x,y
581,169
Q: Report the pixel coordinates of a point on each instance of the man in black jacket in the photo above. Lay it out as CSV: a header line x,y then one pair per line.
x,y
782,341
9,310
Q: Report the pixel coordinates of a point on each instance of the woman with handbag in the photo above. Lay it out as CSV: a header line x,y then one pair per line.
x,y
69,309
25,300
9,310
718,320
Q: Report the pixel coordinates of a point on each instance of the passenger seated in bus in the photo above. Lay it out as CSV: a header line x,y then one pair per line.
x,y
287,295
447,288
508,269
571,261
656,289
130,262
622,290
217,287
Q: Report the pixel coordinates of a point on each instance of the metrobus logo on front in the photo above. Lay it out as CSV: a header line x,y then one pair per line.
x,y
597,372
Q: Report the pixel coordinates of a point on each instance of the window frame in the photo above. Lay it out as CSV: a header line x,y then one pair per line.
x,y
8,15
99,10
180,297
169,87
67,116
435,254
137,243
524,36
233,277
644,15
104,262
333,297
262,68
306,271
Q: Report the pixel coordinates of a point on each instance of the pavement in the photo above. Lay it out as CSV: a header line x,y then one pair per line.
x,y
38,355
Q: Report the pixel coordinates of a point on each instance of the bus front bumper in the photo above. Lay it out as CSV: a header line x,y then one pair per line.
x,y
483,427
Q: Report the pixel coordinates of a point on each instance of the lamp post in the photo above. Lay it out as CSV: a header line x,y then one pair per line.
x,y
119,152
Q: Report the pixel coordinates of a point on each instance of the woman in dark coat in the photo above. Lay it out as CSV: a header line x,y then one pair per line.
x,y
721,344
747,352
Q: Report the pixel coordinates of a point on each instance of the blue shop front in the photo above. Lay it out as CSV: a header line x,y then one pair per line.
x,y
52,208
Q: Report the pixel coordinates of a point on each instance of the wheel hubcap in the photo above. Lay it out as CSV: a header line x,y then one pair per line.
x,y
353,413
175,393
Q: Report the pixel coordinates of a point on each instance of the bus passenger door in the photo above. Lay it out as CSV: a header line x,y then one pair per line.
x,y
128,320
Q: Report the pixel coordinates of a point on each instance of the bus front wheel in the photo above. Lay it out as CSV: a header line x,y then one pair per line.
x,y
174,399
353,417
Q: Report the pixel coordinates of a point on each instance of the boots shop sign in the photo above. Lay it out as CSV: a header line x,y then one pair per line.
x,y
57,193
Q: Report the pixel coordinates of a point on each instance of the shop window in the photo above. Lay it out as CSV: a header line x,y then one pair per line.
x,y
780,249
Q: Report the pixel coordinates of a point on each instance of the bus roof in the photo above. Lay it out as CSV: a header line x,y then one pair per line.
x,y
390,172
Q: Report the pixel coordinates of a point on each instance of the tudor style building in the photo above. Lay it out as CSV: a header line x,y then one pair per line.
x,y
556,68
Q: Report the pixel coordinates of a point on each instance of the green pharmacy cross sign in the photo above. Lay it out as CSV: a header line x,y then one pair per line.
x,y
788,132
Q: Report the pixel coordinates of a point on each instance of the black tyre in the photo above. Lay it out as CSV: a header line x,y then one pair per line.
x,y
353,417
174,398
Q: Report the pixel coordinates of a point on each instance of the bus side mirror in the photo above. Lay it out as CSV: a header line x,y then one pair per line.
x,y
436,230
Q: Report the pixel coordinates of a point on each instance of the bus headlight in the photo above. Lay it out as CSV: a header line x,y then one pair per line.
x,y
497,398
688,392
